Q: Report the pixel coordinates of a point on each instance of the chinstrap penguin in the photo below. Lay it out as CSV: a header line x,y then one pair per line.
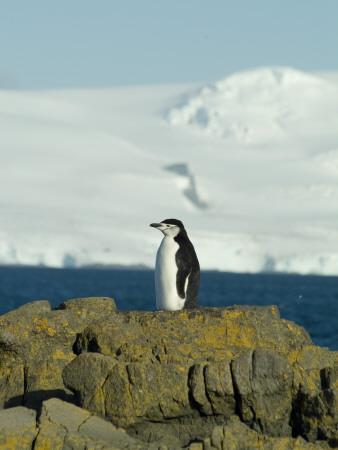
x,y
177,270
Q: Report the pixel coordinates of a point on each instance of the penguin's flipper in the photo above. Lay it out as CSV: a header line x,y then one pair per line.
x,y
183,271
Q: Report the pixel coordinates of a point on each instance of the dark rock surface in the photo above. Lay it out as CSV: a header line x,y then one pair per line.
x,y
263,383
238,377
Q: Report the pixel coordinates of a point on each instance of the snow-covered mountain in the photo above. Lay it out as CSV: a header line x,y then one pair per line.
x,y
261,106
248,163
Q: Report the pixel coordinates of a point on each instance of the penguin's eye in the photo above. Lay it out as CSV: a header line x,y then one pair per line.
x,y
168,226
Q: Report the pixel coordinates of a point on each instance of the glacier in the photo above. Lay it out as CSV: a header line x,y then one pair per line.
x,y
248,163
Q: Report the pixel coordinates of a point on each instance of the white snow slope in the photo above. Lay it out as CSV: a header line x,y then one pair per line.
x,y
249,164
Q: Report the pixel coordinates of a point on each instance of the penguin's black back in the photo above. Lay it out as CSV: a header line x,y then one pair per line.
x,y
188,266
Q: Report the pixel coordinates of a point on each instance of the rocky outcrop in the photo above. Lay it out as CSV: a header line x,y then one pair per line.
x,y
238,377
17,428
60,425
35,345
236,435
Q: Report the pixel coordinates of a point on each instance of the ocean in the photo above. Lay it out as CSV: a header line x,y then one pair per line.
x,y
310,301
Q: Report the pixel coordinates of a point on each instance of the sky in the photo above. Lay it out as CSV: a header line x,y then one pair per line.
x,y
86,44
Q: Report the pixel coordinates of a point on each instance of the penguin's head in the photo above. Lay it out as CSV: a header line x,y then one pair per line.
x,y
169,227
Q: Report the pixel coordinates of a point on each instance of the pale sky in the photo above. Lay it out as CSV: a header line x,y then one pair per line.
x,y
82,43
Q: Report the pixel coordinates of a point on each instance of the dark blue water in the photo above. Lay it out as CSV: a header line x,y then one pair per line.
x,y
310,301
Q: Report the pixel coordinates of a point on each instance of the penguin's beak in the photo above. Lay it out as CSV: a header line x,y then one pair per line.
x,y
156,225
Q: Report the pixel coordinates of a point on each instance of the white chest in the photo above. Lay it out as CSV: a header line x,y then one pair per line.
x,y
165,276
